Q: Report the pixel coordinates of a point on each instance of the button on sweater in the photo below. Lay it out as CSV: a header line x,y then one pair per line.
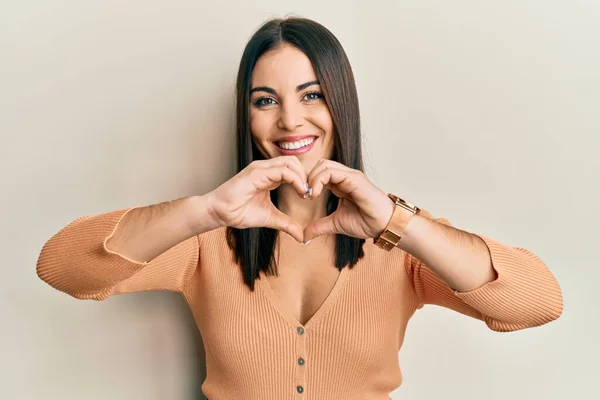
x,y
256,350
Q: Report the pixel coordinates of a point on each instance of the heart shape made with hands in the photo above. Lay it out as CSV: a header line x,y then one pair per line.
x,y
363,209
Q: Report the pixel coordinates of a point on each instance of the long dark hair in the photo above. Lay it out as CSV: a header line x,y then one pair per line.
x,y
254,248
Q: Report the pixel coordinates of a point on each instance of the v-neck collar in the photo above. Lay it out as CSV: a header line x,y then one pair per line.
x,y
330,300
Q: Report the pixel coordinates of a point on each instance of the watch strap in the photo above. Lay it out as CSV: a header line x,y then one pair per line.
x,y
392,234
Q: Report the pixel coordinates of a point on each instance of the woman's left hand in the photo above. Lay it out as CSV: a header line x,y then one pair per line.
x,y
363,210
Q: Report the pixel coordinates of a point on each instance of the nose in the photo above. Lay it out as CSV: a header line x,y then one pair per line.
x,y
290,116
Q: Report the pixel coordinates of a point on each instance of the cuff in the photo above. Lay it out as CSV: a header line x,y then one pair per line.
x,y
524,294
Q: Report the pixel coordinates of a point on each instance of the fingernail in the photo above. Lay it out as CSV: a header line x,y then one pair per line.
x,y
308,193
307,242
306,187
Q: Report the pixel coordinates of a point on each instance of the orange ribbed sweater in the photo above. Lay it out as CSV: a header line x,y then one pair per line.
x,y
255,350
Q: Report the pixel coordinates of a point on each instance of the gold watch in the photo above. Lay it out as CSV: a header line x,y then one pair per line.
x,y
397,225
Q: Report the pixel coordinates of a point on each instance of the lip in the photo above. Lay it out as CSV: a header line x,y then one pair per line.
x,y
301,150
295,138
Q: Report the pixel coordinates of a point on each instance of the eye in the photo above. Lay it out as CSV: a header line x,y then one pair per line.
x,y
312,96
264,102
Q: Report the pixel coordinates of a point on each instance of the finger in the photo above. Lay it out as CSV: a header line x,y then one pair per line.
x,y
295,165
272,162
323,164
291,162
272,178
280,161
322,226
285,223
341,182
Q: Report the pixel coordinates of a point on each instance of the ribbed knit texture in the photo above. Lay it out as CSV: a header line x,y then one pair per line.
x,y
257,350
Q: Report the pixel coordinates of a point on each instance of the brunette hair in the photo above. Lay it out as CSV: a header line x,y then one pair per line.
x,y
254,248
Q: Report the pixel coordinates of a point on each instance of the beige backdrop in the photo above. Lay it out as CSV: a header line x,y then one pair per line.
x,y
482,112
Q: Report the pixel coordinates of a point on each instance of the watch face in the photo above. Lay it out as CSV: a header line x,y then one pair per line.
x,y
405,204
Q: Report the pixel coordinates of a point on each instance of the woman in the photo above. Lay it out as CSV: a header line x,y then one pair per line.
x,y
300,272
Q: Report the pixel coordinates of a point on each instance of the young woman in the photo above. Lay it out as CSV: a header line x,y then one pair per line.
x,y
302,274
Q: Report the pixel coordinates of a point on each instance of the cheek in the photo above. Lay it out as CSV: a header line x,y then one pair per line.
x,y
323,120
325,123
259,125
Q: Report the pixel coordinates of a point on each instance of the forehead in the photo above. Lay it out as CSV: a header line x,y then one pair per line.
x,y
283,67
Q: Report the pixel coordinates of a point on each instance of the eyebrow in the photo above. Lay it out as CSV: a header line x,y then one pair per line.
x,y
273,91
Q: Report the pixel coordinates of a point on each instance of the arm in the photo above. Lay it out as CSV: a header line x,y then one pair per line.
x,y
509,288
158,247
134,249
459,258
146,232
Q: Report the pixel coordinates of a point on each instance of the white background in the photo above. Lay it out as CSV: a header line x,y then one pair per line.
x,y
486,113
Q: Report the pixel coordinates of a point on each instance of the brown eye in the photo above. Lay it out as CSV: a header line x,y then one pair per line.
x,y
312,96
264,101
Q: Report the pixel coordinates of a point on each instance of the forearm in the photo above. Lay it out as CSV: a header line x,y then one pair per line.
x,y
460,259
146,232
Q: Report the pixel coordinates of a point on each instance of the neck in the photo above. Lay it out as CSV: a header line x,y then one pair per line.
x,y
302,210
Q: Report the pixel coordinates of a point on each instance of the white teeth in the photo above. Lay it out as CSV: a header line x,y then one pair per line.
x,y
296,145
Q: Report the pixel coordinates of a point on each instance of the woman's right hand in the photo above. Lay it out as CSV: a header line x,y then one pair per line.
x,y
244,200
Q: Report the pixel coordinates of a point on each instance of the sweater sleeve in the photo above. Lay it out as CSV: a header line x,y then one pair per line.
x,y
77,262
524,294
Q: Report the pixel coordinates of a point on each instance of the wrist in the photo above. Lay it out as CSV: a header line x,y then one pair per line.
x,y
390,207
408,234
395,230
202,215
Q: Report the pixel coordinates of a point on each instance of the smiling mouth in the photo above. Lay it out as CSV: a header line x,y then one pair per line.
x,y
299,144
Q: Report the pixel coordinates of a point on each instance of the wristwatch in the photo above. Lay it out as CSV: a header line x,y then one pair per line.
x,y
397,225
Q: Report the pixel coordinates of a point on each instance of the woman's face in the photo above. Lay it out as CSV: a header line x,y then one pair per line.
x,y
288,114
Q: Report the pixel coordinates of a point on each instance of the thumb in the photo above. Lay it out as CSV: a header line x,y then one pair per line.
x,y
285,223
322,226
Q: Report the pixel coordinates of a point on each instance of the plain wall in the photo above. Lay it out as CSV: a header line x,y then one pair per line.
x,y
485,113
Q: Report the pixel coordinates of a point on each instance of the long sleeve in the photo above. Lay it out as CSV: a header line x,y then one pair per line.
x,y
525,294
76,261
